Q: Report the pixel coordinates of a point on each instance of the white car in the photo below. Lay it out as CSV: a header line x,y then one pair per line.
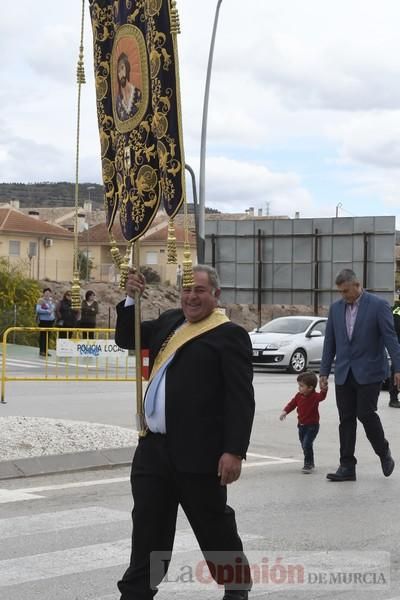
x,y
289,343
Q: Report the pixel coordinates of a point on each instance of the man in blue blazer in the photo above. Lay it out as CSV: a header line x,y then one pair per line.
x,y
359,327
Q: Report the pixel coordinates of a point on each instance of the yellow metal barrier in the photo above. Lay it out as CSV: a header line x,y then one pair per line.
x,y
71,355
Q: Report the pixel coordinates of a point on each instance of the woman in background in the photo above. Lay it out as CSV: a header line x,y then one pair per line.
x,y
89,311
67,316
45,314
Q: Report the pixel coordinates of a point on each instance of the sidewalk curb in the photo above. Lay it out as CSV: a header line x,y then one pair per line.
x,y
62,463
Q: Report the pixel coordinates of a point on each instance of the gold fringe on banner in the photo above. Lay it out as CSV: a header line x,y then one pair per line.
x,y
171,244
125,265
175,24
115,253
76,292
187,275
187,271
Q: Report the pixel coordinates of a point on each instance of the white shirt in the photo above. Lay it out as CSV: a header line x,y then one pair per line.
x,y
155,422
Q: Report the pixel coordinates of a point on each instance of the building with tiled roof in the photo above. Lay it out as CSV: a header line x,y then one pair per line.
x,y
65,215
153,248
43,250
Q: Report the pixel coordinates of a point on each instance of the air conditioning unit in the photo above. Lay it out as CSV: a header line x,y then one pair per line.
x,y
48,242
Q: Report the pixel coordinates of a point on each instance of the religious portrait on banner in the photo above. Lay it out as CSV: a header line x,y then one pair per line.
x,y
129,75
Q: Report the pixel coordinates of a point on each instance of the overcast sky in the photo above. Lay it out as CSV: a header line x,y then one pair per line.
x,y
304,107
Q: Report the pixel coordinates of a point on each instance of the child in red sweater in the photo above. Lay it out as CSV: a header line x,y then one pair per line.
x,y
306,402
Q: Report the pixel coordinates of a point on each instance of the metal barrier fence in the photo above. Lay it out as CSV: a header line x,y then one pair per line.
x,y
76,354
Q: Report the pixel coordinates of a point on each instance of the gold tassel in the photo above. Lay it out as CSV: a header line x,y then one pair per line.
x,y
187,271
124,267
187,275
171,244
175,24
76,292
115,253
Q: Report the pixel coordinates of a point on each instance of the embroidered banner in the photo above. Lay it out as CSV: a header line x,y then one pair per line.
x,y
138,109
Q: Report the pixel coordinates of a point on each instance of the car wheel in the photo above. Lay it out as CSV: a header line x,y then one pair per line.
x,y
298,362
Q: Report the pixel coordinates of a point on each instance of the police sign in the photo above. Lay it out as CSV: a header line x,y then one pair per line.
x,y
73,348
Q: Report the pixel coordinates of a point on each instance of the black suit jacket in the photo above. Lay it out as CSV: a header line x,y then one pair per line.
x,y
209,397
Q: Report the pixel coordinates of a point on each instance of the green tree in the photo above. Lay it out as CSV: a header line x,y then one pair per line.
x,y
85,265
18,297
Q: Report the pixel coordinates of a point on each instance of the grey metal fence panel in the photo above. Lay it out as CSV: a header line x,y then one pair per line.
x,y
302,250
283,250
342,251
245,275
282,276
302,298
300,257
302,277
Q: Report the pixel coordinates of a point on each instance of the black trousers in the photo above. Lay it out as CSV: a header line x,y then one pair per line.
x,y
88,334
157,490
393,390
358,401
44,336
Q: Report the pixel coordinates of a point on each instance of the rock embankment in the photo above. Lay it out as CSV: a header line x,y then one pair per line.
x,y
158,298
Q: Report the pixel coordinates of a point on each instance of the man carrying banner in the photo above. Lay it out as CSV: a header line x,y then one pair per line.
x,y
199,409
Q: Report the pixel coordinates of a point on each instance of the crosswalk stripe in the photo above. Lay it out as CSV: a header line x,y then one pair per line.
x,y
17,496
16,571
75,484
265,463
21,494
57,521
271,459
22,363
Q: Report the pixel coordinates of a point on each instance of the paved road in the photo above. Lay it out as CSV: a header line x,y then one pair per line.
x,y
67,536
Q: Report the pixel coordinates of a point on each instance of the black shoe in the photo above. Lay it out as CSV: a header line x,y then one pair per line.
x,y
236,595
307,469
387,464
394,403
343,474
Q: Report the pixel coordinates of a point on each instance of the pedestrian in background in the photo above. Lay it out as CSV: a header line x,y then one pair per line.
x,y
359,327
89,311
306,401
45,314
393,387
67,317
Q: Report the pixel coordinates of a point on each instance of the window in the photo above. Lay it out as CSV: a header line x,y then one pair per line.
x,y
32,249
14,248
321,327
286,325
151,258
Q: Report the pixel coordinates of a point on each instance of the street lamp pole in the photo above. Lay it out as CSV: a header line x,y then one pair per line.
x,y
196,210
204,140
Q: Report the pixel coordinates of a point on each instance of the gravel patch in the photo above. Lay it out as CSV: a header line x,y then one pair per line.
x,y
24,437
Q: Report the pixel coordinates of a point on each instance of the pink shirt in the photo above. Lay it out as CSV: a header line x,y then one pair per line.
x,y
351,315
